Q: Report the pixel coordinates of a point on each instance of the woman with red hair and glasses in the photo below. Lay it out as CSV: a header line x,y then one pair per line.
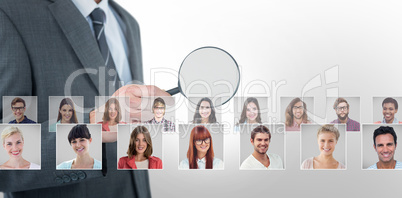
x,y
200,154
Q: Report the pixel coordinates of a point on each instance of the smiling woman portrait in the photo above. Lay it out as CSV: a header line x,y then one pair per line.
x,y
389,109
251,112
80,140
204,112
13,143
140,152
112,116
66,114
200,154
327,138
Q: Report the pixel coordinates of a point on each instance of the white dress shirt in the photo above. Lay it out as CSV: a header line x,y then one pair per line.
x,y
114,35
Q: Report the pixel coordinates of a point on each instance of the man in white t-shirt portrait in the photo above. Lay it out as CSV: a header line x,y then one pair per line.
x,y
260,159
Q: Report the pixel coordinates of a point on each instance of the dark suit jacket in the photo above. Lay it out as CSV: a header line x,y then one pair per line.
x,y
47,49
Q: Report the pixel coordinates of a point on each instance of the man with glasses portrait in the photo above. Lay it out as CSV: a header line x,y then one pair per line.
x,y
158,109
341,107
295,115
18,108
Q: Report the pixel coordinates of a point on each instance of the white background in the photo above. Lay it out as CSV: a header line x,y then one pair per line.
x,y
293,41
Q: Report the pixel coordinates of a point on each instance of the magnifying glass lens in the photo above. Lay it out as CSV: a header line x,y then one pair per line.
x,y
208,72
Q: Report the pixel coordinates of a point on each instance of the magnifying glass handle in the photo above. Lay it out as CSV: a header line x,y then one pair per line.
x,y
173,91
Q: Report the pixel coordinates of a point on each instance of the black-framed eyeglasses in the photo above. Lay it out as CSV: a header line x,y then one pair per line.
x,y
342,108
17,108
159,108
199,142
298,107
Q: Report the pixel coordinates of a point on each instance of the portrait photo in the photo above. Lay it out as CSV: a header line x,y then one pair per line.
x,y
65,110
20,109
139,146
201,146
79,146
323,146
253,142
21,147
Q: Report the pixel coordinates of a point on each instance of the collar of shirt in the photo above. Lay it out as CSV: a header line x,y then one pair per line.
x,y
162,121
87,6
22,121
394,122
338,121
203,161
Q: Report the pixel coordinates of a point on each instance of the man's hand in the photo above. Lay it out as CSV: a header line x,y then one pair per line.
x,y
135,93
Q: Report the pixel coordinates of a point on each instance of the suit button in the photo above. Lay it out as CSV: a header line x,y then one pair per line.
x,y
66,178
58,180
81,175
74,176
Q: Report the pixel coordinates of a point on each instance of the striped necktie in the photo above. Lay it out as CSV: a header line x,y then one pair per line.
x,y
111,77
97,17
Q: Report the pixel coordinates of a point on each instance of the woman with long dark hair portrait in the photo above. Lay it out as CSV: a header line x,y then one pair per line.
x,y
205,112
251,112
112,116
66,114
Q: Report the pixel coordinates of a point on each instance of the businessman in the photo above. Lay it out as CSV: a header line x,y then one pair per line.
x,y
71,48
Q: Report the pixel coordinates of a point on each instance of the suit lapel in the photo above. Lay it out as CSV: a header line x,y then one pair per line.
x,y
76,28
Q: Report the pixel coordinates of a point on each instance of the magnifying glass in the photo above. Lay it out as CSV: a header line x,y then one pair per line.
x,y
208,72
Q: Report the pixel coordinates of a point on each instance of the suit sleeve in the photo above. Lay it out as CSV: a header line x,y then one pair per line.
x,y
16,80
